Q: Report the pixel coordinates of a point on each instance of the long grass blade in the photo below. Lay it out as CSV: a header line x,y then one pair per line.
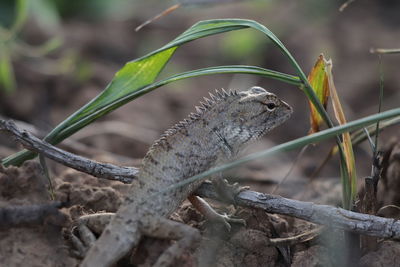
x,y
294,144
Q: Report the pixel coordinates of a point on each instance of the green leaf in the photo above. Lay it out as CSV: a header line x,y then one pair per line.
x,y
135,76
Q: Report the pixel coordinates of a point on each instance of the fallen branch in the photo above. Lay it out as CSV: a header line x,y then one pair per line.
x,y
13,216
97,169
320,214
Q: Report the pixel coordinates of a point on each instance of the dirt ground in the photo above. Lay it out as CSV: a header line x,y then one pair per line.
x,y
123,137
48,243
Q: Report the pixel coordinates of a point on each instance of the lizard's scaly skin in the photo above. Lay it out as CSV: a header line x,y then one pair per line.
x,y
221,127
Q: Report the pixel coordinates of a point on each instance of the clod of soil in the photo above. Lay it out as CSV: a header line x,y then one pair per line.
x,y
312,257
388,254
41,245
389,185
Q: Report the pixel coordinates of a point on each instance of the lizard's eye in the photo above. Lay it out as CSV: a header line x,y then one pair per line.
x,y
271,106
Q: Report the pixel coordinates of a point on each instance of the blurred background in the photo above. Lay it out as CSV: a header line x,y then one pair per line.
x,y
64,53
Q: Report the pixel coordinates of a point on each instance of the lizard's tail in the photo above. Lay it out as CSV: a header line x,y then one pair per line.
x,y
113,245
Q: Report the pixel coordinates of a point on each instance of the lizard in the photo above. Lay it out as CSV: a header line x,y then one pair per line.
x,y
221,127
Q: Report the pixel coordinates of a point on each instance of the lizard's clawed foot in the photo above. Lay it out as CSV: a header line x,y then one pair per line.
x,y
83,235
228,192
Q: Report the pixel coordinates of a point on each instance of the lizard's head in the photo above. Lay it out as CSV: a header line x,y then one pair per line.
x,y
233,118
256,112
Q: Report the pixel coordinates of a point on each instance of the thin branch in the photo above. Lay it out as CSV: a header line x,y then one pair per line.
x,y
345,5
156,17
384,50
320,214
97,169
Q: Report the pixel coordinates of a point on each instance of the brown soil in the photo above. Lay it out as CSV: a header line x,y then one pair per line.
x,y
47,244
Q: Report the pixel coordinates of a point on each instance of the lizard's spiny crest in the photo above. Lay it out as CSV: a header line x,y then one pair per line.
x,y
219,95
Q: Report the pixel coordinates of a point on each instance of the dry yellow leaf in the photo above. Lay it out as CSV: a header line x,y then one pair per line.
x,y
340,117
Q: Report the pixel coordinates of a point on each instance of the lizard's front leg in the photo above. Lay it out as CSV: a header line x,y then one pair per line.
x,y
210,214
160,227
226,191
